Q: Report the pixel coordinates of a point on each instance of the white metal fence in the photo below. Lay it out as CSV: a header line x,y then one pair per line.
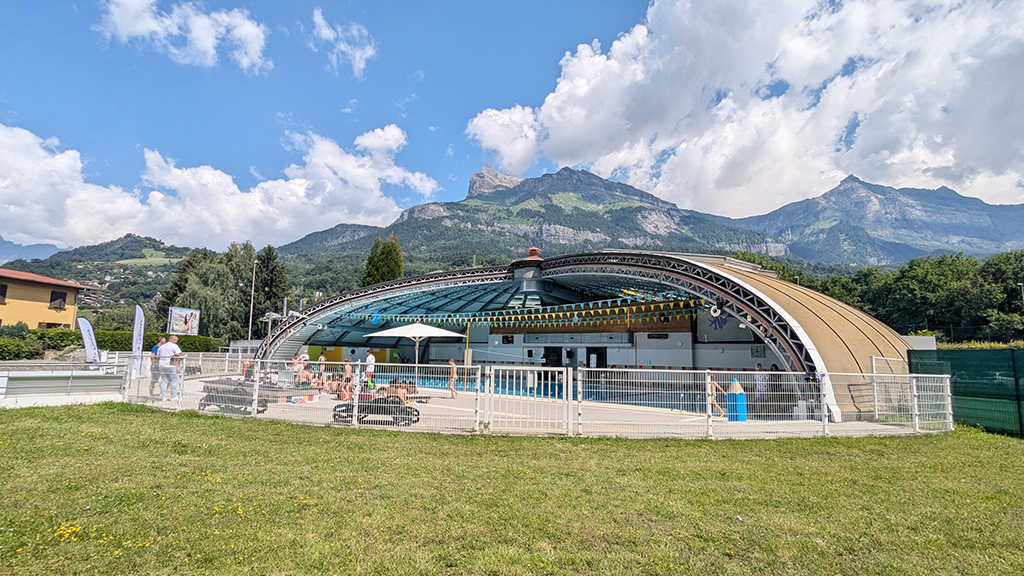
x,y
535,400
50,383
528,400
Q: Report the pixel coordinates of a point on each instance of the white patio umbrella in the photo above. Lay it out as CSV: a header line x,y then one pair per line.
x,y
415,332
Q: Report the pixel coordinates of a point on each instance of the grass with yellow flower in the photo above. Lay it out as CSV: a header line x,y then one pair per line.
x,y
162,493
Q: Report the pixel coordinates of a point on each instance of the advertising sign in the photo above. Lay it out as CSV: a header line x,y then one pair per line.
x,y
138,332
92,353
183,321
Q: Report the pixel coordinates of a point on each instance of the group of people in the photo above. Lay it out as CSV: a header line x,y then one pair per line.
x,y
308,375
343,384
165,359
340,384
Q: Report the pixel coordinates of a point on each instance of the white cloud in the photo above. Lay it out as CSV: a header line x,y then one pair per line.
x,y
47,199
736,107
187,34
350,43
513,133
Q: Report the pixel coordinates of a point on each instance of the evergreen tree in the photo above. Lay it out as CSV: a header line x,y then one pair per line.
x,y
384,262
271,288
239,260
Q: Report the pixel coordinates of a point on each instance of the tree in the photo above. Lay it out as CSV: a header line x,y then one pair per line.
x,y
947,290
212,290
219,287
123,318
1004,270
842,289
384,262
271,287
192,261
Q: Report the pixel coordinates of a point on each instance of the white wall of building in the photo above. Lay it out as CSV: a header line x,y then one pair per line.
x,y
665,349
732,355
674,350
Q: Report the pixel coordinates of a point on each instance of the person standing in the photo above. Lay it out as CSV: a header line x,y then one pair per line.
x,y
774,391
296,368
346,382
371,365
452,376
760,388
169,354
154,370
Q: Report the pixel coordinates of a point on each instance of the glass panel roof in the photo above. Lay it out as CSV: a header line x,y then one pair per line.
x,y
345,325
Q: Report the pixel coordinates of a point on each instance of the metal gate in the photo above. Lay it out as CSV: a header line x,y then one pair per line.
x,y
528,400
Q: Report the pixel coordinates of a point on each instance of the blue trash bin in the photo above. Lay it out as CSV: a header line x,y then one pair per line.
x,y
736,403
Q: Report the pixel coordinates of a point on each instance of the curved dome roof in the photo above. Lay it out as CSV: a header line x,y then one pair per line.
x,y
845,337
808,330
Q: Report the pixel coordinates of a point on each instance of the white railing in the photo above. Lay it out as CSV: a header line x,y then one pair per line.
x,y
52,383
585,401
528,400
197,363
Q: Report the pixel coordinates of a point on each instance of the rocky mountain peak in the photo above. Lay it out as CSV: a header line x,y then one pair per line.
x,y
589,188
489,179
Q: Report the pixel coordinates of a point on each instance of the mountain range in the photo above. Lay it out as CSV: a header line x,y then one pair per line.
x,y
855,223
904,222
564,212
13,251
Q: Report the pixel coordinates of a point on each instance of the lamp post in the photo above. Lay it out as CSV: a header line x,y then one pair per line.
x,y
269,318
252,296
1021,284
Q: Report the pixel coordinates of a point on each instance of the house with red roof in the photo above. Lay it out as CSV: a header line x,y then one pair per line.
x,y
39,301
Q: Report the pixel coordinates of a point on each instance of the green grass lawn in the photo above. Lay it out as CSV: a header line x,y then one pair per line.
x,y
122,489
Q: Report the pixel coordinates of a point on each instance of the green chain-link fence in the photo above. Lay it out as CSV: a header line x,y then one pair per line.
x,y
986,384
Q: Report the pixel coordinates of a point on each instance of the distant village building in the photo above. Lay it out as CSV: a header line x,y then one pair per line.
x,y
39,301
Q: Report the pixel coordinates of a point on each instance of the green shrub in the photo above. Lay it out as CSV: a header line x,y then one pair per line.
x,y
19,349
60,338
19,331
201,343
122,341
56,338
979,345
119,340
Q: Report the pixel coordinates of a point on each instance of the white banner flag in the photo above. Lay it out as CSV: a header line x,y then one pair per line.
x,y
137,335
92,353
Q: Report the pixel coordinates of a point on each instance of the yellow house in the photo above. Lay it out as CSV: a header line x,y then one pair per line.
x,y
39,301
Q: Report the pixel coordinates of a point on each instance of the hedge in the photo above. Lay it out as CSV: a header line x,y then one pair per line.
x,y
61,338
123,341
18,349
56,338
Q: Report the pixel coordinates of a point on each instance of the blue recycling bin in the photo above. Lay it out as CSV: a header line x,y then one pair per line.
x,y
736,406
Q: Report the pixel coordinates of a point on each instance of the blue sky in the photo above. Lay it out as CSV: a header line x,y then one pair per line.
x,y
210,122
